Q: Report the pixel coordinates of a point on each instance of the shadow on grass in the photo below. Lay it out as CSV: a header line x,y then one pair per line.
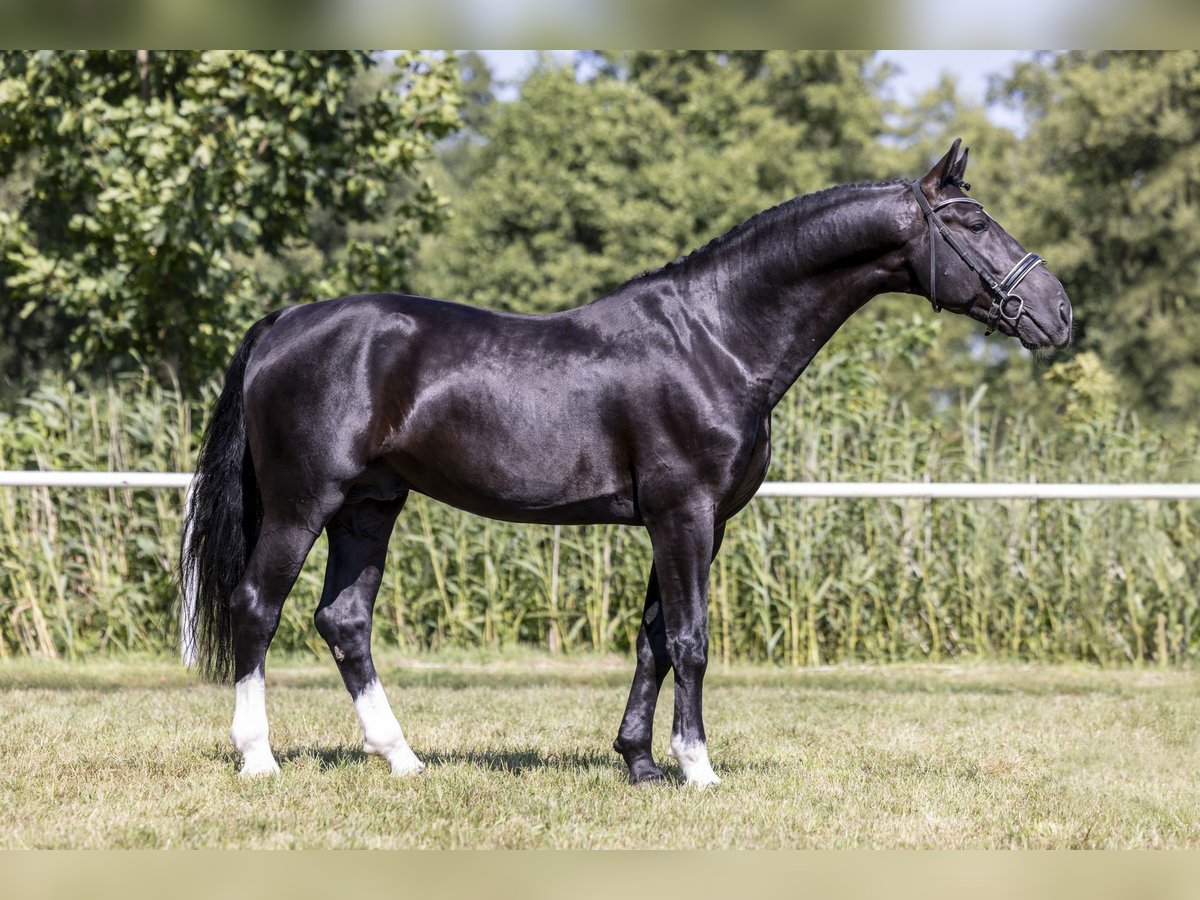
x,y
512,760
517,760
327,758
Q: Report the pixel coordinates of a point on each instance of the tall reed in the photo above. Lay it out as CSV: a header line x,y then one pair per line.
x,y
799,582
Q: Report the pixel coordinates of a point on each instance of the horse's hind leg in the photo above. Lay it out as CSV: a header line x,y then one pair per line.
x,y
358,539
637,726
254,610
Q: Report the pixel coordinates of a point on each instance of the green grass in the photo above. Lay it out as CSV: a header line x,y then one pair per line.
x,y
135,754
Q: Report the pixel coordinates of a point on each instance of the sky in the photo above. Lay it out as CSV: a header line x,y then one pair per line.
x,y
919,70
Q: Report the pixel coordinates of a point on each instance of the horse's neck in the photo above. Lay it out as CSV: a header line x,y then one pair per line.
x,y
781,287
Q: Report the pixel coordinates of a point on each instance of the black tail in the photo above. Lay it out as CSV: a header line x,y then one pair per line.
x,y
220,529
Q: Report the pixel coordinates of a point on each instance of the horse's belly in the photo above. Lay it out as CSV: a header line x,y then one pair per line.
x,y
521,442
520,487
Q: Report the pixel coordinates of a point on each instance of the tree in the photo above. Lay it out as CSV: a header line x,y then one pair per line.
x,y
1111,184
579,185
157,176
830,100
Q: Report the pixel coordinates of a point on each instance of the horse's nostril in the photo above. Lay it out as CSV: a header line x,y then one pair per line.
x,y
1064,312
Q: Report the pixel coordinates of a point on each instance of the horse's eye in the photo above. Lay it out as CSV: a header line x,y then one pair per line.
x,y
979,227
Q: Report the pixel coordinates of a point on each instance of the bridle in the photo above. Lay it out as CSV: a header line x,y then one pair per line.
x,y
1002,290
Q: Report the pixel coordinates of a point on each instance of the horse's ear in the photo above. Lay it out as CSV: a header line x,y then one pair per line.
x,y
942,172
960,168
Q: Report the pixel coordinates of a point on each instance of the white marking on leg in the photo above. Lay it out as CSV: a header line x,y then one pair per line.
x,y
381,732
693,759
249,732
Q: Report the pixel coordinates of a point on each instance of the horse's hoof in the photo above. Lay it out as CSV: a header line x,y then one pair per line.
x,y
703,782
406,764
255,767
693,759
407,770
646,775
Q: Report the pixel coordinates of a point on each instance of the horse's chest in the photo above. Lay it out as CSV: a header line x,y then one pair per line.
x,y
753,470
760,456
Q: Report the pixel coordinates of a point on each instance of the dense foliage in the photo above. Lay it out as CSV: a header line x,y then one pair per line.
x,y
140,186
1111,182
581,184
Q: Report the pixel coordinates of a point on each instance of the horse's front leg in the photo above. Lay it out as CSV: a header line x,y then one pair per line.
x,y
653,662
685,540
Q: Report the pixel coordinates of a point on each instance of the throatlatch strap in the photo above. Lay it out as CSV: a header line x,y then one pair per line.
x,y
928,212
932,222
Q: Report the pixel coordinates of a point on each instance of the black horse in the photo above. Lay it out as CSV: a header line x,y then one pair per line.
x,y
649,406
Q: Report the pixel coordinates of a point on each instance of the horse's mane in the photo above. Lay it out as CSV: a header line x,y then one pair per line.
x,y
793,209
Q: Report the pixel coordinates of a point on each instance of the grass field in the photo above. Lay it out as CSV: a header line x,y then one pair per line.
x,y
135,754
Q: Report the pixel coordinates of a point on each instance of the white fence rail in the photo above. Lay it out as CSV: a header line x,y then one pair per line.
x,y
153,480
944,490
896,490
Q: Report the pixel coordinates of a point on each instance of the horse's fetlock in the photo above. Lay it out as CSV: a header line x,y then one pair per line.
x,y
628,747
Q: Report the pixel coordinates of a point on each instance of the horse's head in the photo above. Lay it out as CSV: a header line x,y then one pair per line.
x,y
961,254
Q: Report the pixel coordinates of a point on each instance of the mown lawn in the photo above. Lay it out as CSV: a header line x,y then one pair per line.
x,y
135,754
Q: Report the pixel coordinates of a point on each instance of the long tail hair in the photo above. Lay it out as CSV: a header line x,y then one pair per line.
x,y
221,524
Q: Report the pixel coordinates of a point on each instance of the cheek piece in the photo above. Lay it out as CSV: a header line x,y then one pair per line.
x,y
1002,291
